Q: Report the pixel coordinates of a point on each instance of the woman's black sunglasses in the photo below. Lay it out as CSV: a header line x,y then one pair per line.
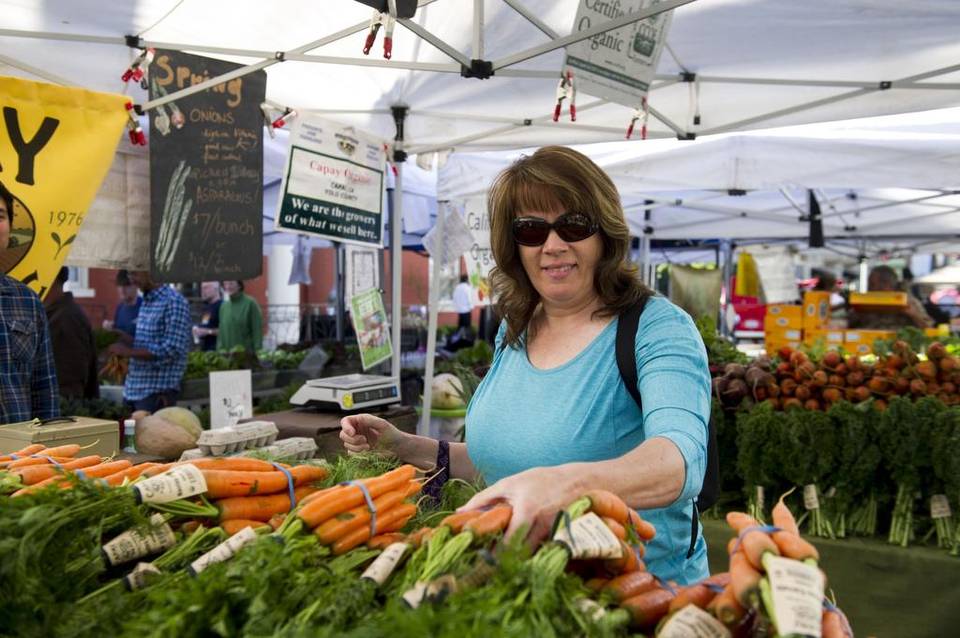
x,y
571,227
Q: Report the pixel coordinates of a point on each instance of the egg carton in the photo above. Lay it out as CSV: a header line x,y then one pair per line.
x,y
298,448
189,455
233,439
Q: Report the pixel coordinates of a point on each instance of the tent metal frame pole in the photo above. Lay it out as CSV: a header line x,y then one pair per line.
x,y
477,50
586,34
726,211
397,65
666,121
894,222
894,202
439,44
236,73
429,148
865,209
840,84
40,73
532,18
828,100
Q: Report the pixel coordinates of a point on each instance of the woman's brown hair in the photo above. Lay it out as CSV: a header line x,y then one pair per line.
x,y
556,178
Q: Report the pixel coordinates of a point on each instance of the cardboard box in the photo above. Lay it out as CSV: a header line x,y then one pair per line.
x,y
102,436
816,309
782,334
943,330
861,341
782,322
879,300
832,339
785,310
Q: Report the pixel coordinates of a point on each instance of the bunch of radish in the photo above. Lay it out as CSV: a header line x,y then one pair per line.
x,y
796,381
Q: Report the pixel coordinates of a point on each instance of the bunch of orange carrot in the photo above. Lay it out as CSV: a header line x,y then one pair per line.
x,y
341,516
737,598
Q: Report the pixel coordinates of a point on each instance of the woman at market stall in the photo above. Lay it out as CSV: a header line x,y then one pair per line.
x,y
553,417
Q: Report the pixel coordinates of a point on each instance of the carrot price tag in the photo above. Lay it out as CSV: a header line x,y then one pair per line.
x,y
589,537
223,551
139,542
415,595
180,482
810,500
940,506
797,590
381,568
693,622
141,576
591,609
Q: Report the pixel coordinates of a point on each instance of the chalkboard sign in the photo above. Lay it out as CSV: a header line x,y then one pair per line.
x,y
206,172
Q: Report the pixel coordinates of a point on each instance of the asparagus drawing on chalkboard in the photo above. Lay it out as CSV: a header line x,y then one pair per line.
x,y
176,211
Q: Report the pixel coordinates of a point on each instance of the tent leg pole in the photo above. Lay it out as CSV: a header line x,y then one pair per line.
x,y
725,291
436,264
396,270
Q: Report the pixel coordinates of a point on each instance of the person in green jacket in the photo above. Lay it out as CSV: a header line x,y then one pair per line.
x,y
241,321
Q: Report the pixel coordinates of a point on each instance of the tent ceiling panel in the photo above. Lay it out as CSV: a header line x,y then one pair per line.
x,y
855,41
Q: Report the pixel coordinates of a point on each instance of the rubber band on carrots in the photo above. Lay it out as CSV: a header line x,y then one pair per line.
x,y
766,529
371,506
290,484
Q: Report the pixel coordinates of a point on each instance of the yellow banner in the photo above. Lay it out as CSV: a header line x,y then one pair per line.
x,y
56,145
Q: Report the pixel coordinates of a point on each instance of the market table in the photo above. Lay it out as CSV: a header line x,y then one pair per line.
x,y
886,591
324,427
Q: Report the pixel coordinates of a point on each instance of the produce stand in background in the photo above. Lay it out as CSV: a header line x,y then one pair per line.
x,y
885,591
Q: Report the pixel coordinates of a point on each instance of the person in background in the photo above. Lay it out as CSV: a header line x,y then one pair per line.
x,y
158,357
924,292
206,332
241,321
884,279
463,302
74,348
28,378
125,316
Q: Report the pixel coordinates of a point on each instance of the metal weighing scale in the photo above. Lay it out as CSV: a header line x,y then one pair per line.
x,y
348,392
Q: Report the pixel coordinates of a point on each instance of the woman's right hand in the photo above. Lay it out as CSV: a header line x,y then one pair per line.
x,y
363,432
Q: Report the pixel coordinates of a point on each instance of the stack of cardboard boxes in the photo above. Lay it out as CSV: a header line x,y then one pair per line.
x,y
790,325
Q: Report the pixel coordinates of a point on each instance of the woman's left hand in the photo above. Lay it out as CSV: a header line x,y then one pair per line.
x,y
536,496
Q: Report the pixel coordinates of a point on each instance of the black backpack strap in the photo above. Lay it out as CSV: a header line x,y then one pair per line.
x,y
627,327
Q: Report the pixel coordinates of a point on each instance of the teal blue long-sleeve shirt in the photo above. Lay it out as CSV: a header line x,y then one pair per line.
x,y
522,417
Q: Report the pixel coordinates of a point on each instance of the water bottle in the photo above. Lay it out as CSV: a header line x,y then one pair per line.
x,y
129,436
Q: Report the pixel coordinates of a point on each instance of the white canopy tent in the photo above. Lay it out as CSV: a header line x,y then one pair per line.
x,y
739,64
870,176
757,64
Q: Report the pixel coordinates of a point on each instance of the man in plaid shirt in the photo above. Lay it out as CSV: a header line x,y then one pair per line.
x,y
28,379
158,356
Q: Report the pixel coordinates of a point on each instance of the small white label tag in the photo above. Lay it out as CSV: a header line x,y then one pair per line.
x,y
810,500
761,501
180,482
693,622
415,595
141,575
224,550
591,609
589,537
384,564
139,542
797,596
940,506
